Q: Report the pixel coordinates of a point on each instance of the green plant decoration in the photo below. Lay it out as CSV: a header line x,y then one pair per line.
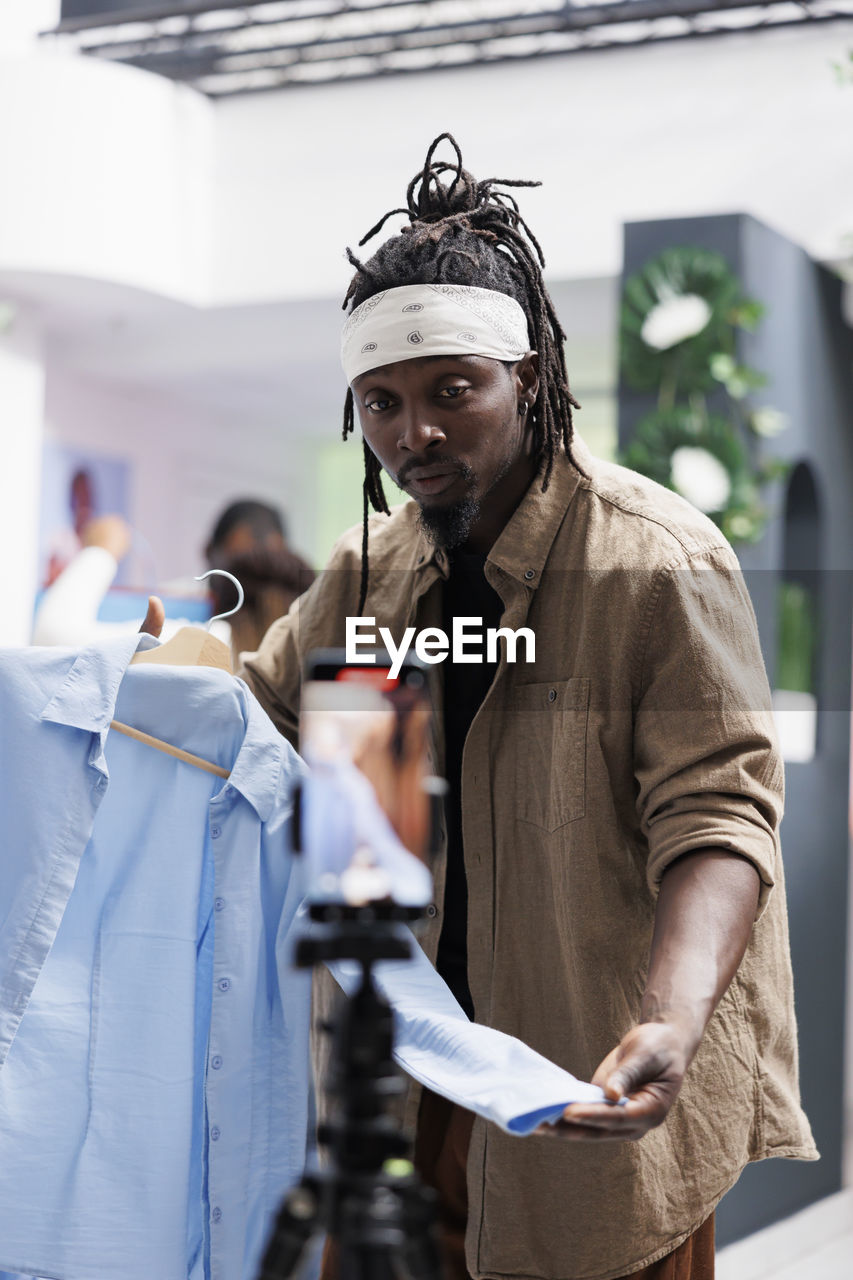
x,y
797,639
679,322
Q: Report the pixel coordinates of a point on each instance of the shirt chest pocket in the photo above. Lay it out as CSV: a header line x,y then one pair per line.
x,y
549,723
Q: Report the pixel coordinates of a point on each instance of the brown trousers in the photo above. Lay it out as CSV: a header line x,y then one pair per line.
x,y
441,1154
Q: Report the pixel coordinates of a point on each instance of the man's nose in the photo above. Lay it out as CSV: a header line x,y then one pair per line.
x,y
418,431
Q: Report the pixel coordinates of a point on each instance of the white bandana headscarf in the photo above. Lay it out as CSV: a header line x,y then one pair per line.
x,y
432,320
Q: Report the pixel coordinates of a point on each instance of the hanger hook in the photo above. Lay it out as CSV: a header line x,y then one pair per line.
x,y
241,596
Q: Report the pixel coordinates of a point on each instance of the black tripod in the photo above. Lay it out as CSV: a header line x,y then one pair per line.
x,y
369,1200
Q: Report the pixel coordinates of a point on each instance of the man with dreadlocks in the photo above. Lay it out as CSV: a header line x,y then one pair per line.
x,y
606,892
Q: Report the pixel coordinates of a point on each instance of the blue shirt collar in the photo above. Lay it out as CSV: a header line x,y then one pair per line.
x,y
86,700
257,771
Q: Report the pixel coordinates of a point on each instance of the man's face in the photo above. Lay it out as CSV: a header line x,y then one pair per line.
x,y
448,430
242,540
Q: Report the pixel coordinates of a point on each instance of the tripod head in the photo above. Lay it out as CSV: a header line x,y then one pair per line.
x,y
364,933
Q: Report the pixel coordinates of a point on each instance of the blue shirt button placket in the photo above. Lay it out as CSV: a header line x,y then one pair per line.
x,y
217,1153
214,1161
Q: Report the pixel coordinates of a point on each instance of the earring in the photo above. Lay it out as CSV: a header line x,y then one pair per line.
x,y
522,408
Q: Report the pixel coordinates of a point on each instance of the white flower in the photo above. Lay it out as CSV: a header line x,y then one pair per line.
x,y
768,421
675,319
700,478
741,527
722,366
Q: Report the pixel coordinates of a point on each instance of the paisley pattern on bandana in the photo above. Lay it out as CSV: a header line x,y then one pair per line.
x,y
451,320
498,310
355,320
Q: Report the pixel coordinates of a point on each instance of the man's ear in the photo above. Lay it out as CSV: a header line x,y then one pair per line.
x,y
527,378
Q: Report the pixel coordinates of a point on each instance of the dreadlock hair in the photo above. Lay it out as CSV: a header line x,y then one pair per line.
x,y
462,231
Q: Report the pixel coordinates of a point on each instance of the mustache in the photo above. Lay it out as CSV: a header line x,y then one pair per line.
x,y
433,460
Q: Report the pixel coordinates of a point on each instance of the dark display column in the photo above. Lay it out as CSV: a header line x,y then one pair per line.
x,y
804,559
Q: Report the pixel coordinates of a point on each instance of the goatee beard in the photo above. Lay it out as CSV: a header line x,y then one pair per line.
x,y
449,527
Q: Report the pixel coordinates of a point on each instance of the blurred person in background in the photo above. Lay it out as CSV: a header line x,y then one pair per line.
x,y
248,540
67,542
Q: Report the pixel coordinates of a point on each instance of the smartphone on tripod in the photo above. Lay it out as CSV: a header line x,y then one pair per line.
x,y
361,714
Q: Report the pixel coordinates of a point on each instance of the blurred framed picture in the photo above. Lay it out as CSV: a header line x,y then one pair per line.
x,y
77,485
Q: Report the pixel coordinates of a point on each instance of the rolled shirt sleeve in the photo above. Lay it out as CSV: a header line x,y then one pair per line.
x,y
706,757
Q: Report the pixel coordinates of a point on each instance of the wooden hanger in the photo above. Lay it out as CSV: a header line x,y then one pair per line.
x,y
189,647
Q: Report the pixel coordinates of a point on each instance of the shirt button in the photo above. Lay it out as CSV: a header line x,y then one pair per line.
x,y
529,573
432,911
224,984
216,1214
215,1133
218,903
216,1062
215,831
552,695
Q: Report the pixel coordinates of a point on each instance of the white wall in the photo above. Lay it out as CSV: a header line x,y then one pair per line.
x,y
106,174
21,414
750,123
22,20
115,174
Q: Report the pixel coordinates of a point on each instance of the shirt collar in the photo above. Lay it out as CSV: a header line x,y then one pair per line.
x,y
87,697
257,771
525,542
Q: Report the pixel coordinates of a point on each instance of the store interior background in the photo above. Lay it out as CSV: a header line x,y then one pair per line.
x,y
172,269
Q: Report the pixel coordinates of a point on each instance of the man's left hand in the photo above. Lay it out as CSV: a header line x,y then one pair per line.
x,y
646,1069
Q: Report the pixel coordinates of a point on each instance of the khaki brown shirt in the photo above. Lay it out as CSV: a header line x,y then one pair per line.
x,y
642,731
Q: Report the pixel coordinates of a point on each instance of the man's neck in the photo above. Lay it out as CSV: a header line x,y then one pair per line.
x,y
498,508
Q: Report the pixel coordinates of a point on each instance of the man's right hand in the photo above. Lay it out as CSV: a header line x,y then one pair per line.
x,y
154,618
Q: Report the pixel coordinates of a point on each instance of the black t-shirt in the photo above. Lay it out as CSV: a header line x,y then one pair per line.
x,y
466,594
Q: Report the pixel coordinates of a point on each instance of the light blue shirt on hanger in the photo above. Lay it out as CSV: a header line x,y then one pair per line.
x,y
154,1093
154,1083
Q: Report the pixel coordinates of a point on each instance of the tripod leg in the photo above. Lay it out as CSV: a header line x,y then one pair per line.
x,y
419,1259
295,1225
418,1255
365,1262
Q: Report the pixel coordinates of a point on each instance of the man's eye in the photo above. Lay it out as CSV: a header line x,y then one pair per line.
x,y
377,404
452,393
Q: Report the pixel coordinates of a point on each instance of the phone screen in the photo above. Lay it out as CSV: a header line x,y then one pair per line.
x,y
345,707
356,714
